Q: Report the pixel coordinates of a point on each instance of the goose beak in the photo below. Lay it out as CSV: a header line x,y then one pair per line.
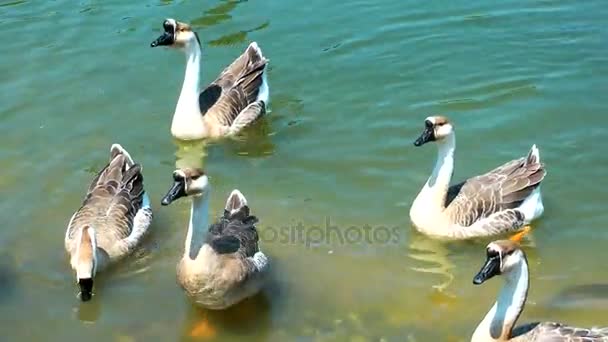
x,y
178,189
490,269
165,39
86,289
427,135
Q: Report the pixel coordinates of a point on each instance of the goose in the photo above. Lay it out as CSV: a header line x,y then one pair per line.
x,y
501,201
113,218
222,264
237,97
506,258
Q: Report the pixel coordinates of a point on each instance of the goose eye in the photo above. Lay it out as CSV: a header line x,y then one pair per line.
x,y
491,253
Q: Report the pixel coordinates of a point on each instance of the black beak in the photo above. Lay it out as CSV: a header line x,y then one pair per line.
x,y
177,190
488,270
426,136
165,39
86,289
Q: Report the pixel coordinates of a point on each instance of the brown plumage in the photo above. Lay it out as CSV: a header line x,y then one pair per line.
x,y
235,88
111,207
491,204
505,187
235,99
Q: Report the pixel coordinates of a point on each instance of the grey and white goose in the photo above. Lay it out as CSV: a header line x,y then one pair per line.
x,y
237,97
222,263
502,201
506,258
113,218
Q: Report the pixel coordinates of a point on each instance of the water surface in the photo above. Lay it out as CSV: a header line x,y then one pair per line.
x,y
351,83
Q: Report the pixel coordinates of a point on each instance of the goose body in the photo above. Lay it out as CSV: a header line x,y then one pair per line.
x,y
222,264
114,216
505,258
501,201
235,99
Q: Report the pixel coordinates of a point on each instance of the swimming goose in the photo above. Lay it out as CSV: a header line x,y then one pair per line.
x,y
234,100
501,201
506,258
114,216
223,264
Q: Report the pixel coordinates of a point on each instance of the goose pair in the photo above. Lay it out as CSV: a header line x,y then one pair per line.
x,y
220,267
506,258
502,201
235,99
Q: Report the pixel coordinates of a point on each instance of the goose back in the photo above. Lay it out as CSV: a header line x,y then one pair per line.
x,y
234,233
113,199
550,331
505,187
236,87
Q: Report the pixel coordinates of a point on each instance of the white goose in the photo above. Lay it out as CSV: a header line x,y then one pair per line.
x,y
113,218
233,101
506,258
501,201
222,263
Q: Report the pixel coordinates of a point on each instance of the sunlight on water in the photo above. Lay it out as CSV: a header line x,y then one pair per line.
x,y
332,160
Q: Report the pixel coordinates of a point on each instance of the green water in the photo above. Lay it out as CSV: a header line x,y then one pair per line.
x,y
351,83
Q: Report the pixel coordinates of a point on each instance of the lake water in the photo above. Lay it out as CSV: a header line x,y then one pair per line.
x,y
351,83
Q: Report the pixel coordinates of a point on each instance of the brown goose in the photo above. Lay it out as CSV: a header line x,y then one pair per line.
x,y
234,100
114,216
506,258
501,201
222,264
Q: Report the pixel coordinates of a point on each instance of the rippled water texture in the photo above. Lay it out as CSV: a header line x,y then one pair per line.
x,y
351,83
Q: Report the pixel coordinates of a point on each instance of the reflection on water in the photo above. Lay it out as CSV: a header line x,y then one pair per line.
x,y
190,154
236,37
254,141
588,297
220,14
423,248
249,316
216,15
88,312
8,277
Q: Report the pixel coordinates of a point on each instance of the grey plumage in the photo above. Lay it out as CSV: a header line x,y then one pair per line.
x,y
114,206
235,89
495,196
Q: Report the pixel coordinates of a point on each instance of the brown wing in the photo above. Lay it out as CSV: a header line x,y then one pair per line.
x,y
556,332
236,87
505,187
113,199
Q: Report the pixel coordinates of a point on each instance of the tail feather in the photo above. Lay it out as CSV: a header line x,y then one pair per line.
x,y
133,180
254,52
117,149
533,156
235,201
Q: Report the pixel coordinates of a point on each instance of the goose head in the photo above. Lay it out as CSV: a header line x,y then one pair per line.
x,y
436,128
501,257
187,182
176,35
84,262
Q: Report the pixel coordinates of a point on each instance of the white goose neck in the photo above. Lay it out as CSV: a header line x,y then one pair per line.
x,y
197,227
499,321
188,97
432,196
